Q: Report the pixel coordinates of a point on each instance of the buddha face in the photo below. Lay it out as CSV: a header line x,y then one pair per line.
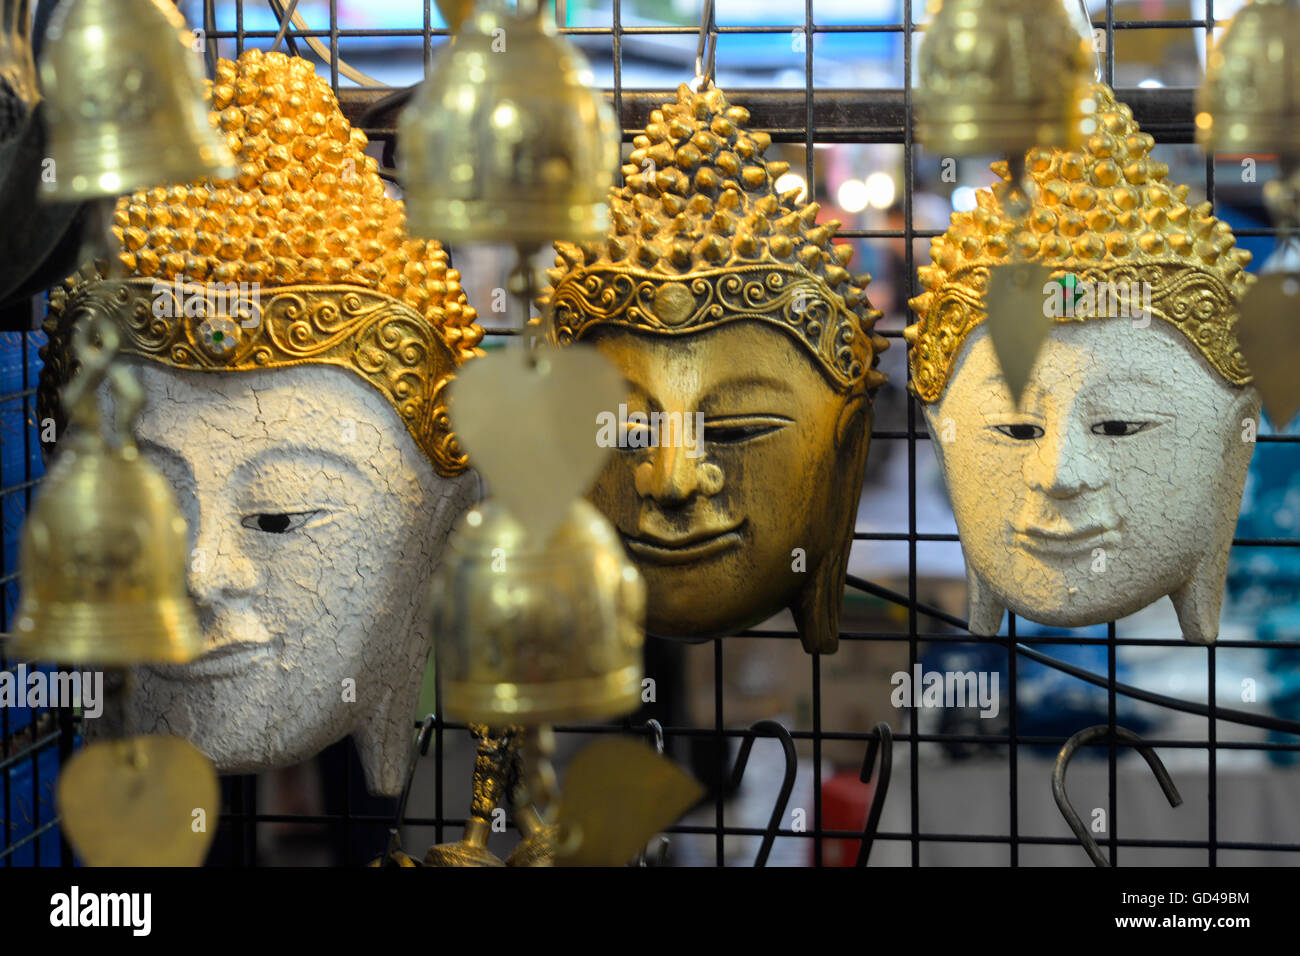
x,y
1117,481
757,518
315,524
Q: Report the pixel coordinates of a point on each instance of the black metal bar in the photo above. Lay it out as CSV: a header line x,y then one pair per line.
x,y
839,116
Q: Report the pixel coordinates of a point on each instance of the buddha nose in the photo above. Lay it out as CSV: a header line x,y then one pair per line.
x,y
220,569
1064,464
672,476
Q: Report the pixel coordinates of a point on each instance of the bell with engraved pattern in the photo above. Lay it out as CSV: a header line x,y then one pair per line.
x,y
125,108
530,632
507,141
1001,76
104,551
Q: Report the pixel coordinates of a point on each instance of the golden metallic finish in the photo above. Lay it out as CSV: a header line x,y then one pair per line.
x,y
1103,214
714,293
19,91
124,100
999,76
1249,100
618,793
135,802
493,764
528,633
702,238
301,259
372,335
104,551
506,141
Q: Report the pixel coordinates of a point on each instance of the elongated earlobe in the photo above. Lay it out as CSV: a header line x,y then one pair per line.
x,y
816,609
1199,601
983,609
383,741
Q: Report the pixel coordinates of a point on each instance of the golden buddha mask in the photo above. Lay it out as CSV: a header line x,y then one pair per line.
x,y
1117,478
295,346
726,304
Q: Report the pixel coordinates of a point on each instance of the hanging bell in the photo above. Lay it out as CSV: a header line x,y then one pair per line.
x,y
1001,76
125,101
494,765
530,633
104,550
1249,100
506,141
18,89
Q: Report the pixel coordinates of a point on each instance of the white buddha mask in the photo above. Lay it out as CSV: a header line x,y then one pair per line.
x,y
1106,489
315,526
295,344
1119,477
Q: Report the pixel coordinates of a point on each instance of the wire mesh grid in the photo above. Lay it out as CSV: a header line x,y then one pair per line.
x,y
810,115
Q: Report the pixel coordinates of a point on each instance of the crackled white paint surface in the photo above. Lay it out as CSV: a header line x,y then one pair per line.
x,y
290,616
1074,526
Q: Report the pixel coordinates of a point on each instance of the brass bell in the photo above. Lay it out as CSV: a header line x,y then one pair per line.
x,y
506,141
532,633
125,101
18,89
1249,100
494,765
104,550
1001,76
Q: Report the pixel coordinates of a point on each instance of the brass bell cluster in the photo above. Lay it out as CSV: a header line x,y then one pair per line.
x,y
1249,102
105,549
103,559
507,142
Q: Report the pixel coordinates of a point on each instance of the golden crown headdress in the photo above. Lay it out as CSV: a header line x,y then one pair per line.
x,y
302,258
1103,215
700,237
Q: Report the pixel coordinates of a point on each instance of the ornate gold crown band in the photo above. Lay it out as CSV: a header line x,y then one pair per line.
x,y
781,296
195,326
1192,300
1104,214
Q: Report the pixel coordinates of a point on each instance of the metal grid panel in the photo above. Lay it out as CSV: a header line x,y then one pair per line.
x,y
810,116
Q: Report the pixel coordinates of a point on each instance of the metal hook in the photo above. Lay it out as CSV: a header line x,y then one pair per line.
x,y
704,64
773,729
420,748
1063,762
883,743
656,730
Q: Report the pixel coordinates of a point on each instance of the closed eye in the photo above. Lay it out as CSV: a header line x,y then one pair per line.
x,y
1115,428
736,431
1021,432
278,523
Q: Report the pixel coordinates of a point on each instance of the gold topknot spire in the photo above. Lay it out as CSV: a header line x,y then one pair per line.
x,y
1103,214
700,201
306,206
301,258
